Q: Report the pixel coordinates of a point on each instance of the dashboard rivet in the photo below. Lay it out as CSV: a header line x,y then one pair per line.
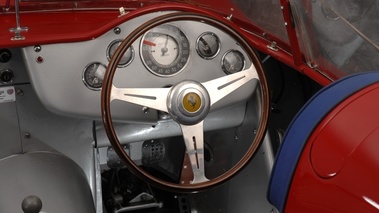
x,y
117,30
145,109
37,48
27,135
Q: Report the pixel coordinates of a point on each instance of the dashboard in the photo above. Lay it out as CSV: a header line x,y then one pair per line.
x,y
68,76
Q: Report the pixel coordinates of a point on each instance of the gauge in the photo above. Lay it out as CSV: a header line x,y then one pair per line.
x,y
165,50
232,61
128,56
93,75
208,45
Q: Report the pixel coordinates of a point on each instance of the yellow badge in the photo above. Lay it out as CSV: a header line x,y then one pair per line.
x,y
192,102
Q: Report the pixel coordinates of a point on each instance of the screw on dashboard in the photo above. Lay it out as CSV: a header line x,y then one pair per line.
x,y
37,48
19,92
27,135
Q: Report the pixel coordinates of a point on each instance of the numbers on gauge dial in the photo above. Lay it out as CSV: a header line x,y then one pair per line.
x,y
165,50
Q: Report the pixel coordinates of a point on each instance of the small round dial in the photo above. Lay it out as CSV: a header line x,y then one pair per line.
x,y
208,45
93,75
165,50
232,61
126,59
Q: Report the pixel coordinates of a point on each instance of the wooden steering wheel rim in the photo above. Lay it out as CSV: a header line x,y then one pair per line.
x,y
106,97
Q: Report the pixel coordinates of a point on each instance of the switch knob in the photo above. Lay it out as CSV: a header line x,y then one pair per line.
x,y
5,55
6,76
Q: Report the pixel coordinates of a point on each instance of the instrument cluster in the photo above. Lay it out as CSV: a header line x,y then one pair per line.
x,y
163,56
165,51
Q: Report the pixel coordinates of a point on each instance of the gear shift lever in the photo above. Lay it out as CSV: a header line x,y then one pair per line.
x,y
31,204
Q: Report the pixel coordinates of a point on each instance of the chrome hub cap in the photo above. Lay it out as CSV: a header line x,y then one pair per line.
x,y
188,102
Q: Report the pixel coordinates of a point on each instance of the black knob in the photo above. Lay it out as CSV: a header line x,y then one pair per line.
x,y
31,204
6,76
5,55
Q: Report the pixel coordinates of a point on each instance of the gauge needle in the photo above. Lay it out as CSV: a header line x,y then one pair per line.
x,y
95,80
149,43
205,46
165,49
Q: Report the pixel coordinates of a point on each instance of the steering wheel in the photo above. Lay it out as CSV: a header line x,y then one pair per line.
x,y
188,103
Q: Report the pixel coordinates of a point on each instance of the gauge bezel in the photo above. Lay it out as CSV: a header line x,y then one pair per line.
x,y
108,54
180,38
218,42
226,53
88,85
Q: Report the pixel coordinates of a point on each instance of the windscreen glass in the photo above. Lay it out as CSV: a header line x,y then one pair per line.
x,y
266,14
340,37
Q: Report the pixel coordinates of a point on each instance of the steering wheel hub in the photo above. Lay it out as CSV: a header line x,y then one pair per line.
x,y
188,102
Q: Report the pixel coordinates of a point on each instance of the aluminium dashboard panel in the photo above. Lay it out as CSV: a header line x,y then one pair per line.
x,y
58,78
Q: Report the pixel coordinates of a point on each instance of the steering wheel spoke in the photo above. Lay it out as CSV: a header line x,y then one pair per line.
x,y
221,87
155,98
194,140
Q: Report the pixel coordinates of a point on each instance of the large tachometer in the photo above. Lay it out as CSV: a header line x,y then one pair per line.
x,y
165,50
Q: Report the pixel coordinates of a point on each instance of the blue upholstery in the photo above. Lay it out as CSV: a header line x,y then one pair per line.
x,y
301,128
